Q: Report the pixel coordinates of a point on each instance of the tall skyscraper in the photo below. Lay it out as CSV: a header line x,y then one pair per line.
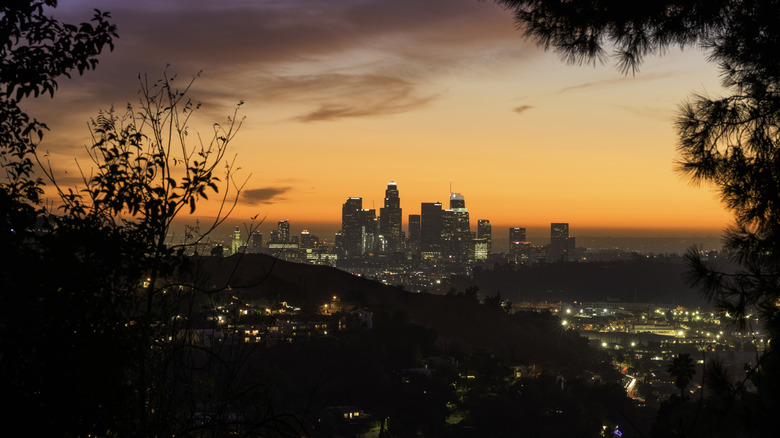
x,y
307,240
351,227
517,234
518,246
561,244
415,231
485,231
390,218
430,227
257,242
456,233
284,231
369,227
236,243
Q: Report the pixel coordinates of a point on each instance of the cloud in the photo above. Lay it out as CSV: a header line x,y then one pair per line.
x,y
265,195
333,96
616,81
522,108
239,39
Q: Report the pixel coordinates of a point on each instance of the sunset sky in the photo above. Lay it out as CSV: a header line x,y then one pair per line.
x,y
343,96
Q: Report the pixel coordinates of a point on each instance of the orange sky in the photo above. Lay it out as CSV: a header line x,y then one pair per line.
x,y
342,97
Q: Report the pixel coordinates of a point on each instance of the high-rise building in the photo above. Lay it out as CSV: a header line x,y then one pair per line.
x,y
517,234
274,237
257,242
430,227
236,243
456,233
414,233
281,234
338,242
284,231
369,227
518,245
307,240
390,218
561,244
351,227
485,231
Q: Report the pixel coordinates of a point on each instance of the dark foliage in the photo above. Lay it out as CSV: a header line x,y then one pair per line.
x,y
731,143
682,370
57,304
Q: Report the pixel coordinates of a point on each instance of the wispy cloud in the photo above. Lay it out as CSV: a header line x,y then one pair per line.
x,y
338,96
522,108
390,52
266,195
616,81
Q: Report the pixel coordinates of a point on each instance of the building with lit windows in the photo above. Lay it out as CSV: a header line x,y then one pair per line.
x,y
518,245
351,227
390,218
456,232
561,244
485,231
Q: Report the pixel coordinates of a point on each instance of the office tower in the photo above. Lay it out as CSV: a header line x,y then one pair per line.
x,y
457,201
307,240
369,228
456,233
430,227
485,231
236,243
480,249
284,231
518,246
517,234
390,218
414,233
561,244
257,242
338,242
351,226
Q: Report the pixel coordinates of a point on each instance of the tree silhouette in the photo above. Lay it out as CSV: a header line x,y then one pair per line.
x,y
96,331
47,338
35,51
683,370
731,143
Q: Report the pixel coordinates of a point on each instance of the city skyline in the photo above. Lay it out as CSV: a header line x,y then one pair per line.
x,y
355,215
423,93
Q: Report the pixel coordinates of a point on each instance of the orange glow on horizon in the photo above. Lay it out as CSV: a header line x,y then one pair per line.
x,y
526,139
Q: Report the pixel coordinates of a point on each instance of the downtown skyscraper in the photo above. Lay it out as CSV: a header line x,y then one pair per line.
x,y
561,244
351,227
390,218
485,231
456,231
430,228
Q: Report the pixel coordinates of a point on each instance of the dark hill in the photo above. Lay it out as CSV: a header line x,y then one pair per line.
x,y
461,324
642,280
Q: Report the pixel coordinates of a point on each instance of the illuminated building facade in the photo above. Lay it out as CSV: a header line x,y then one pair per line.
x,y
561,244
485,232
456,233
390,218
351,227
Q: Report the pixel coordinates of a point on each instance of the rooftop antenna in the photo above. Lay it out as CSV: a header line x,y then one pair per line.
x,y
450,186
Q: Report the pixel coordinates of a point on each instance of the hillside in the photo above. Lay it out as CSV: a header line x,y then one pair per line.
x,y
461,325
